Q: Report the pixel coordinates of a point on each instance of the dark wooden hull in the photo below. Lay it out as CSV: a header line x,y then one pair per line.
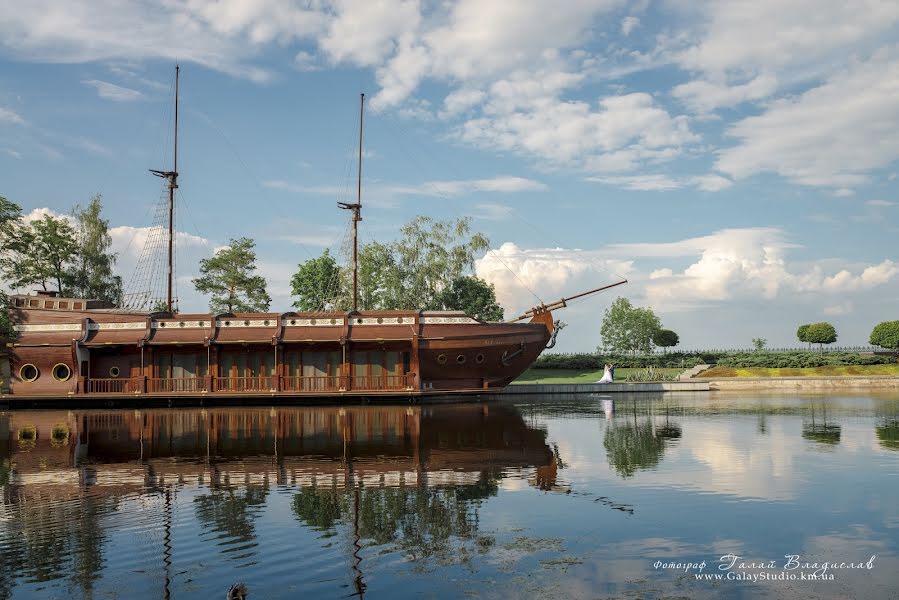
x,y
106,354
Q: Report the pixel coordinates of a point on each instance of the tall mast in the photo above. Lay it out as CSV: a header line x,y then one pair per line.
x,y
172,178
357,211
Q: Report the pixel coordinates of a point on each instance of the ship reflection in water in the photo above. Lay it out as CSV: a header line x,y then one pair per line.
x,y
411,478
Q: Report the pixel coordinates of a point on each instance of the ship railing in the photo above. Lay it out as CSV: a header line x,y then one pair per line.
x,y
382,382
256,383
175,385
317,383
116,385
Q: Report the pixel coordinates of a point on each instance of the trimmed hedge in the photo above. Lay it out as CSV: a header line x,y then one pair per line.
x,y
686,360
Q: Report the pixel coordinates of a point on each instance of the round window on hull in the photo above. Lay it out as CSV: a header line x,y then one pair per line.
x,y
62,372
113,371
29,373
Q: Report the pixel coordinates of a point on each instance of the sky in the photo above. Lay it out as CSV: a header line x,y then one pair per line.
x,y
736,162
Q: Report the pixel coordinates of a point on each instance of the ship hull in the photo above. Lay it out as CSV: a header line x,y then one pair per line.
x,y
64,354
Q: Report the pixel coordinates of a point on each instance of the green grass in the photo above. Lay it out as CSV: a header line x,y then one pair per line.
x,y
579,375
829,371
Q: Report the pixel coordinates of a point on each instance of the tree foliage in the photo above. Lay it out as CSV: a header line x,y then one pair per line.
x,y
665,338
428,268
474,296
229,277
759,343
626,328
91,273
10,216
886,335
41,253
316,283
821,333
802,333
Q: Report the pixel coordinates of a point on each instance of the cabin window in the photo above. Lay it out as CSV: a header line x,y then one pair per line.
x,y
20,302
178,365
77,306
248,364
64,305
113,371
29,372
34,303
48,303
61,372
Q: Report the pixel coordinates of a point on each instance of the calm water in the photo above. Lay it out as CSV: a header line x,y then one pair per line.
x,y
544,498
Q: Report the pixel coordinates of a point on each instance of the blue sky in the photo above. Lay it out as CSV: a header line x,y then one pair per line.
x,y
736,161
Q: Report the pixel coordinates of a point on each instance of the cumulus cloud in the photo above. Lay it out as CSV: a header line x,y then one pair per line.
x,y
10,116
704,96
663,183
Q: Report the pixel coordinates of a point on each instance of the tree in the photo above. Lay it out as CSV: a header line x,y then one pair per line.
x,y
91,274
665,338
472,295
759,343
42,253
886,335
629,329
429,255
821,333
10,219
229,277
316,282
802,333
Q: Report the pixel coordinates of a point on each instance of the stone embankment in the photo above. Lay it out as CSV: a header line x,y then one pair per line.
x,y
589,388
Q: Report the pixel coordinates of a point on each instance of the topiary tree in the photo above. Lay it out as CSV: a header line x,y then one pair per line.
x,y
821,333
802,333
886,335
665,338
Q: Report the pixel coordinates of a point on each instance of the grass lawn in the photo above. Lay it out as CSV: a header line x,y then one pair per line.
x,y
831,371
579,376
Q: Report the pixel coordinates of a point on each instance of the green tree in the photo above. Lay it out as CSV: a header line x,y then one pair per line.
x,y
759,343
821,333
474,296
42,253
665,338
10,221
316,282
802,333
229,277
429,255
91,274
629,329
886,335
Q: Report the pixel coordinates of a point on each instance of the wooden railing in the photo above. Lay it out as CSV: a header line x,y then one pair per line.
x,y
246,384
176,385
188,385
115,385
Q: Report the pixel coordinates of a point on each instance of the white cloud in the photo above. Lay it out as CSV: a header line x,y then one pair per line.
x,y
494,212
663,183
10,116
461,100
504,184
111,91
835,310
628,24
832,135
844,193
11,152
365,32
704,96
880,203
305,61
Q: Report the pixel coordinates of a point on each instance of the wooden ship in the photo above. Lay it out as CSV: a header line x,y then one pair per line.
x,y
83,348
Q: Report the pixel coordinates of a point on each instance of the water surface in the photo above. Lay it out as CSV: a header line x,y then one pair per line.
x,y
583,497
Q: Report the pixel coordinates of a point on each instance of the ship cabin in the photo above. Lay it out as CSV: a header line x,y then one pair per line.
x,y
73,346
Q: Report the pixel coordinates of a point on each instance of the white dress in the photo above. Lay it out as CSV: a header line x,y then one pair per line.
x,y
606,376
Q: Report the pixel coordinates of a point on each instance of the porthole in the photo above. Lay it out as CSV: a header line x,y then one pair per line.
x,y
162,324
312,321
227,323
333,321
113,371
441,359
399,319
29,372
61,372
246,323
359,321
460,359
266,322
479,358
293,321
380,319
202,323
182,324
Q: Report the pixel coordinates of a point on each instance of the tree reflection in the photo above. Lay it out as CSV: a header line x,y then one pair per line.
x,y
818,429
426,523
230,511
888,433
632,445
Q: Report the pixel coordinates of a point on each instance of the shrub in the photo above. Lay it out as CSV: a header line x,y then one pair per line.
x,y
886,335
799,360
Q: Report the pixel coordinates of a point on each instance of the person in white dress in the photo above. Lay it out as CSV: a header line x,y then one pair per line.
x,y
606,375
